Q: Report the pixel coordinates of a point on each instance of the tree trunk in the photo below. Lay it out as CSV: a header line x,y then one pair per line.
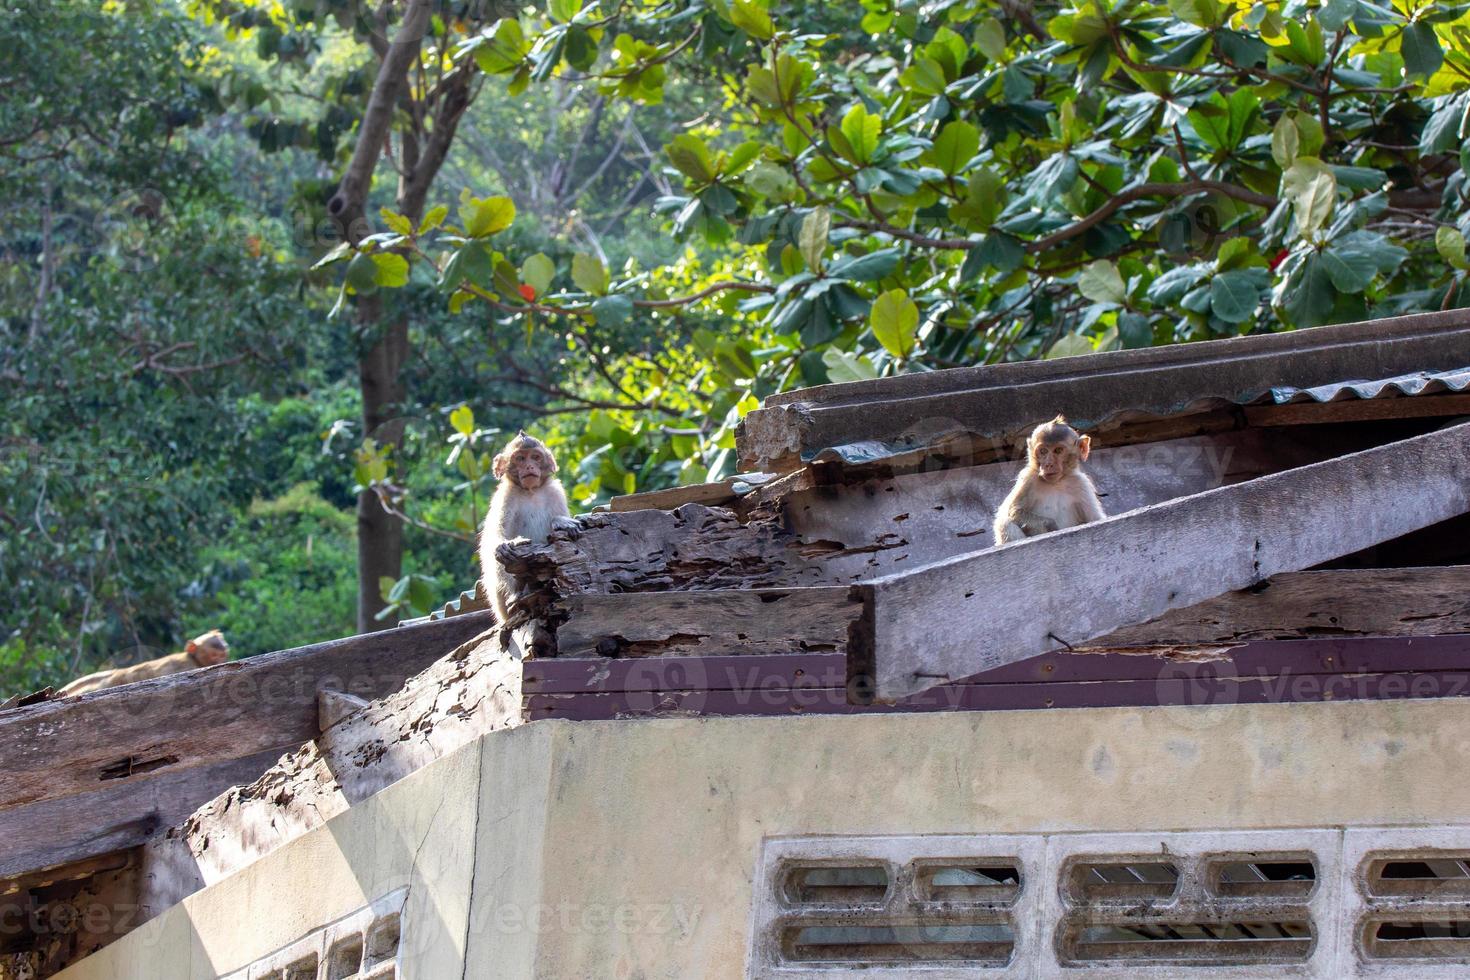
x,y
379,534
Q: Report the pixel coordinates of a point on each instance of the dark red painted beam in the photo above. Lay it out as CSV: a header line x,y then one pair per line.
x,y
1261,672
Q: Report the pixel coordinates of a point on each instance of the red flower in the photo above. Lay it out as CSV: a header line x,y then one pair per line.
x,y
1280,257
528,292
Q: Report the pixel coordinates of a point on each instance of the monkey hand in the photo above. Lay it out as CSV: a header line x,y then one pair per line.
x,y
570,527
506,551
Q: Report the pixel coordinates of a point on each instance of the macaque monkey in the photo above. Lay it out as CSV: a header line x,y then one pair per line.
x,y
528,503
205,650
1052,492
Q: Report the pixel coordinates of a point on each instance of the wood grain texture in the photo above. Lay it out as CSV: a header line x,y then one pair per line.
x,y
775,438
472,689
720,623
119,814
964,615
1301,605
204,717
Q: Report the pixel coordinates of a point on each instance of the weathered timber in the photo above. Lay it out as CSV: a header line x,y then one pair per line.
x,y
874,527
472,690
138,733
1300,605
1359,410
693,547
996,403
333,706
1170,355
117,814
1268,671
736,625
721,493
718,623
963,615
813,535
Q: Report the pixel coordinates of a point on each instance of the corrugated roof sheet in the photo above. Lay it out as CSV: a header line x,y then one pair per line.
x,y
1422,383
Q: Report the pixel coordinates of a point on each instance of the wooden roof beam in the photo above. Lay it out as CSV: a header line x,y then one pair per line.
x,y
915,411
974,612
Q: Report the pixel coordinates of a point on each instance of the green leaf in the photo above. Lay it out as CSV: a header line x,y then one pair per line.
x,y
482,216
956,144
985,197
1069,345
990,38
1450,244
1286,141
690,155
1309,294
861,130
1134,330
1312,188
470,263
866,268
895,322
613,311
1350,271
362,273
771,181
397,222
813,237
1101,283
1003,253
581,49
463,420
537,272
589,274
564,10
1421,50
751,17
505,50
1233,254
433,219
843,366
1201,13
392,269
337,252
1234,296
734,359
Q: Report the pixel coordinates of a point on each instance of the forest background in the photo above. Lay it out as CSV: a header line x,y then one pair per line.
x,y
278,276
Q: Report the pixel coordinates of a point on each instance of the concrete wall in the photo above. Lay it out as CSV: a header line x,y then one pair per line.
x,y
630,849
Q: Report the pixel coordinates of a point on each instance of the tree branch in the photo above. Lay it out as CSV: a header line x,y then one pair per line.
x,y
346,205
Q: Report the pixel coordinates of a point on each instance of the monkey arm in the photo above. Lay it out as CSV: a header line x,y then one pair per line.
x,y
1089,508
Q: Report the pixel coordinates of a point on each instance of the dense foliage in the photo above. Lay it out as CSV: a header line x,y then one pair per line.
x,y
649,216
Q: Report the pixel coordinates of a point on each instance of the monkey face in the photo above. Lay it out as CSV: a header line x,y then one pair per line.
x,y
1053,460
212,653
209,649
526,462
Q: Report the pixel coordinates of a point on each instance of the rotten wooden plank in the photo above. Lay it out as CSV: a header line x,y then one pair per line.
x,y
1298,605
118,814
725,622
62,748
710,494
963,615
469,691
997,404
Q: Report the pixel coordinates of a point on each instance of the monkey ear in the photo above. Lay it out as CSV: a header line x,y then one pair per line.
x,y
191,647
1084,446
550,461
499,465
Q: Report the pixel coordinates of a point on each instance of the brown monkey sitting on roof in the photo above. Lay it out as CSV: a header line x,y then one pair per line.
x,y
205,650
